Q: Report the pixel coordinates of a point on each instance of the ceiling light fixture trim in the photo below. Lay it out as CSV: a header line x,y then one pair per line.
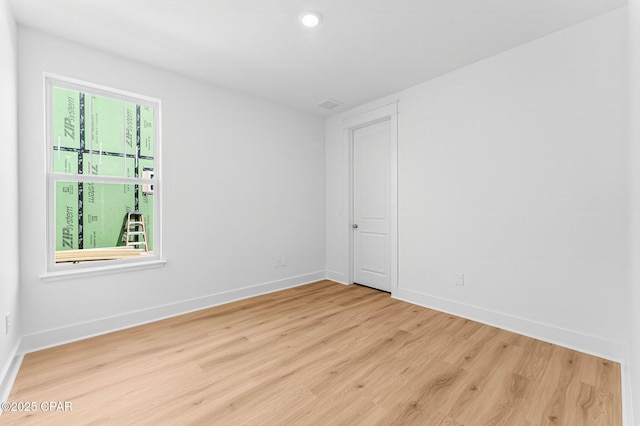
x,y
310,19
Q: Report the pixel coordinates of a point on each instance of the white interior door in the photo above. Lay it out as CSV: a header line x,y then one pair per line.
x,y
371,206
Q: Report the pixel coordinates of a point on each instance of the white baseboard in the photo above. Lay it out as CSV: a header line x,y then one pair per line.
x,y
54,337
611,350
9,373
614,351
338,277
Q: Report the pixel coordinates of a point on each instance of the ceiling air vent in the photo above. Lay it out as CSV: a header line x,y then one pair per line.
x,y
329,104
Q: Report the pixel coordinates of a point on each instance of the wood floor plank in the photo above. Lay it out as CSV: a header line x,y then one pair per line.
x,y
323,353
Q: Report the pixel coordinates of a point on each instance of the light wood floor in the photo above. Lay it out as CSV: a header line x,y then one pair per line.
x,y
320,354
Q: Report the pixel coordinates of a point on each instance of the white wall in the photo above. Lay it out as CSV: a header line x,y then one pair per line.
x,y
634,165
513,171
9,190
243,185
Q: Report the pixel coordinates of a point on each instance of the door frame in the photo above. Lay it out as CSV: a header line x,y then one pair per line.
x,y
385,113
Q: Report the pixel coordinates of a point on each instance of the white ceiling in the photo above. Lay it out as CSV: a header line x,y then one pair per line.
x,y
362,50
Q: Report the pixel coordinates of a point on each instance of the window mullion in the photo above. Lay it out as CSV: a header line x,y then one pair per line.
x,y
103,179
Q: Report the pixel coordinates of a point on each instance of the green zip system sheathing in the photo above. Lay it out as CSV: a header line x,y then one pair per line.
x,y
96,135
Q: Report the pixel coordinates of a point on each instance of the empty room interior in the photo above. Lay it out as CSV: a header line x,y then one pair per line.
x,y
320,212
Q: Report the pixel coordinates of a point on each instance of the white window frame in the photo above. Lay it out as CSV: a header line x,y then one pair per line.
x,y
61,270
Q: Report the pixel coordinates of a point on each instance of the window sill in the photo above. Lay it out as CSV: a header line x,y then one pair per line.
x,y
102,270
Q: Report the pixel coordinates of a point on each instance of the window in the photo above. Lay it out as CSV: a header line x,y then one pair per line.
x,y
103,177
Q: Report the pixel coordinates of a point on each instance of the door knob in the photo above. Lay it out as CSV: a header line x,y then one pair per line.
x,y
355,226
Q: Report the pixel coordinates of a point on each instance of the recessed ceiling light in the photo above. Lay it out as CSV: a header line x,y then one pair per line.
x,y
310,19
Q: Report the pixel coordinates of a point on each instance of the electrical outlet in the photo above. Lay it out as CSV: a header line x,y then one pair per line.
x,y
459,279
283,261
278,263
7,323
